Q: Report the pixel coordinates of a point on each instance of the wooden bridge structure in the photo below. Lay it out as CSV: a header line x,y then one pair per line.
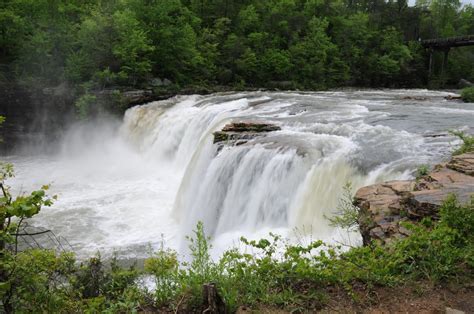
x,y
444,45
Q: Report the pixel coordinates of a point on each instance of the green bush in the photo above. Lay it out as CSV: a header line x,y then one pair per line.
x,y
442,252
422,171
83,105
347,214
163,266
467,94
38,282
467,143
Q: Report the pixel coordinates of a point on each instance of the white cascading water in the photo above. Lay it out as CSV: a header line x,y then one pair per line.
x,y
160,174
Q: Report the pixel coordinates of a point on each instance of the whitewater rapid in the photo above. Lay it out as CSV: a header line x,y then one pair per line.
x,y
127,186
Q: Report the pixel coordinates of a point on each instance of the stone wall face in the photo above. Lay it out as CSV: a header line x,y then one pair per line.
x,y
33,117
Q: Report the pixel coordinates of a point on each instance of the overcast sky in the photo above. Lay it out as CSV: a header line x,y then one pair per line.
x,y
462,1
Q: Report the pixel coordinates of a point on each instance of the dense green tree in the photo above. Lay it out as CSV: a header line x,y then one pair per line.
x,y
170,27
48,31
311,55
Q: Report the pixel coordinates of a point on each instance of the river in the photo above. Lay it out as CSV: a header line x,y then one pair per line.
x,y
127,186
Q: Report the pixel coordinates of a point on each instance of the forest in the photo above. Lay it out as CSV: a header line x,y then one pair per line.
x,y
89,46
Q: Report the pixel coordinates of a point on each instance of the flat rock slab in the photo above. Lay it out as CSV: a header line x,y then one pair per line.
x,y
463,163
238,133
254,127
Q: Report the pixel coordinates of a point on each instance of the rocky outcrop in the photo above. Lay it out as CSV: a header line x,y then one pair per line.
x,y
137,96
238,133
463,163
451,97
383,207
464,83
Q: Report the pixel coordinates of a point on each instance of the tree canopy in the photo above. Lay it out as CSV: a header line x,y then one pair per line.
x,y
310,44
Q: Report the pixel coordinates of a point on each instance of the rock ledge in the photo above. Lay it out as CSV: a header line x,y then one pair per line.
x,y
384,206
238,133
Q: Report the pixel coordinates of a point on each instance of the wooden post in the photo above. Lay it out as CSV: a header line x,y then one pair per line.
x,y
212,302
444,67
430,67
445,61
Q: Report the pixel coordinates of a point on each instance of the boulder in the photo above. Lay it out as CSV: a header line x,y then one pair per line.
x,y
155,82
158,82
253,127
381,210
463,163
465,83
383,207
450,97
139,96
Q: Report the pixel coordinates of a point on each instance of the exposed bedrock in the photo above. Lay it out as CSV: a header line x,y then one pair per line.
x,y
384,206
238,133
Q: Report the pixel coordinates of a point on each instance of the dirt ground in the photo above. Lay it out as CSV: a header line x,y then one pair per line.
x,y
417,298
420,298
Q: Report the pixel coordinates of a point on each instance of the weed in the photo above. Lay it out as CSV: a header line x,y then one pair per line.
x,y
467,143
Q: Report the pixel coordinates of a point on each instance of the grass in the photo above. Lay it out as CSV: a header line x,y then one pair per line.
x,y
422,171
467,145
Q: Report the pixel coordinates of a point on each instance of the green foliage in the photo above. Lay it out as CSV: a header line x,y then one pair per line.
x,y
84,103
114,288
467,143
163,266
422,170
37,281
467,94
347,214
202,269
20,280
443,252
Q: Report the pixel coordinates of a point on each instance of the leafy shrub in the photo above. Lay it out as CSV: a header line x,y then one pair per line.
x,y
83,105
38,282
28,280
163,266
201,270
443,251
422,171
467,143
467,94
347,213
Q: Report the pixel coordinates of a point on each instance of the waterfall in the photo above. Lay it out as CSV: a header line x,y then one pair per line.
x,y
288,179
127,185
